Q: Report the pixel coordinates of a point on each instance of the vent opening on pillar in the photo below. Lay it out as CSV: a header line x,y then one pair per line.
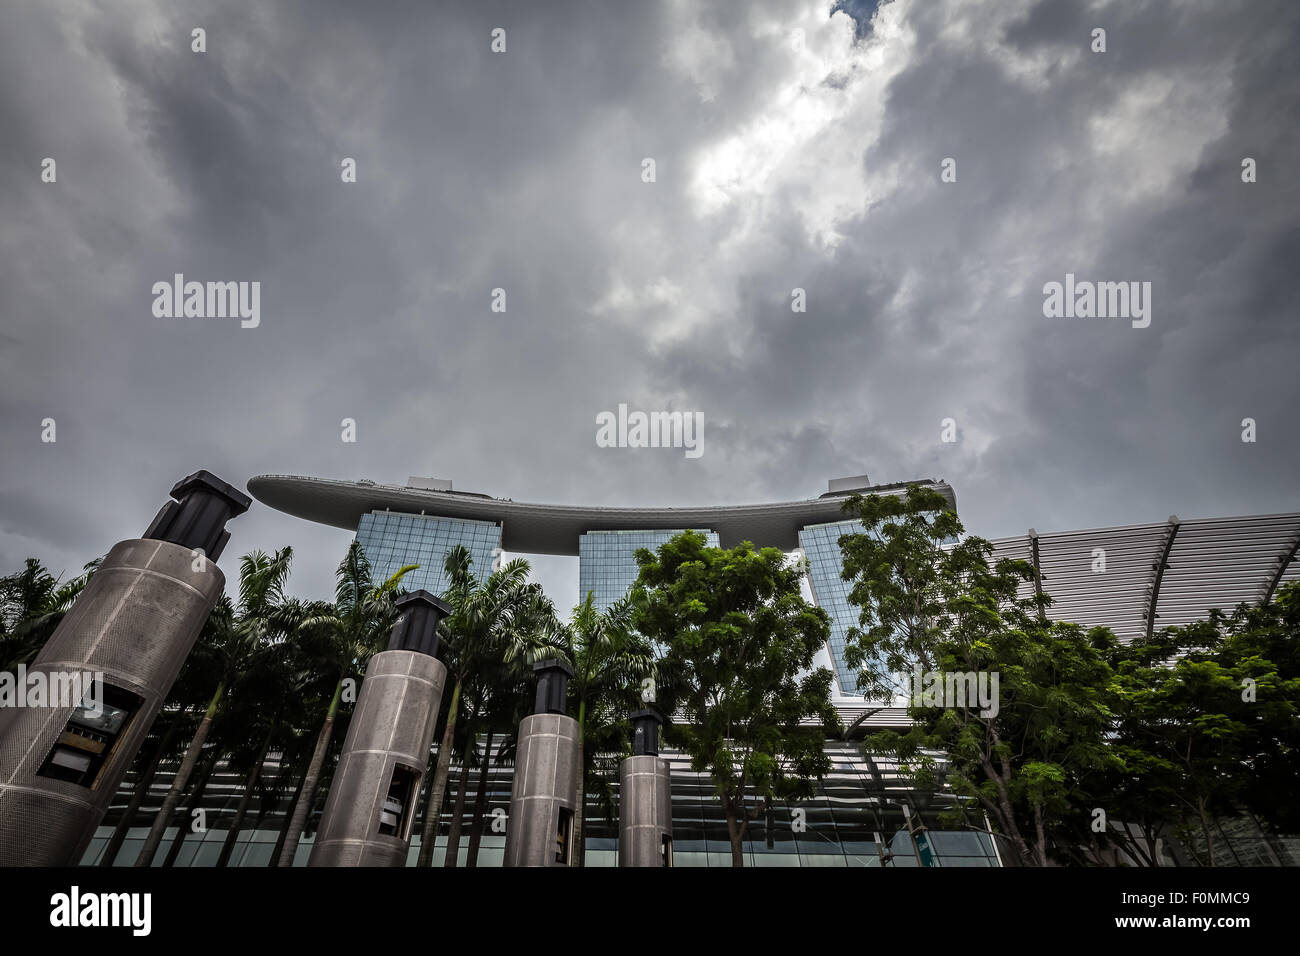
x,y
395,818
564,836
88,738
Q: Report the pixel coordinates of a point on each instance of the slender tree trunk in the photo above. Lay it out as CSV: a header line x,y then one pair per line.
x,y
141,791
735,832
453,837
433,806
1138,847
480,806
1151,847
1006,815
250,784
182,778
1205,828
187,818
1040,836
302,807
288,818
426,798
580,811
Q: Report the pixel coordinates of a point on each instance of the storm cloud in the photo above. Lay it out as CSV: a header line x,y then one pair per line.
x,y
795,146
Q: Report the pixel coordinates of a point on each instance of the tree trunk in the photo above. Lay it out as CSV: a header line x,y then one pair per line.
x,y
580,811
480,806
187,818
250,784
288,818
141,791
1141,843
427,801
453,836
1006,815
433,806
1205,828
1151,848
736,833
1040,836
302,807
179,782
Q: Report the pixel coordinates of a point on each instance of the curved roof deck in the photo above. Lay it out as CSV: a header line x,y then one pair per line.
x,y
1163,574
555,529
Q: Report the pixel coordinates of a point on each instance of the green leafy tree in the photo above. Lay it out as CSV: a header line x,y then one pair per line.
x,y
1262,645
935,603
1027,760
738,644
1207,726
910,577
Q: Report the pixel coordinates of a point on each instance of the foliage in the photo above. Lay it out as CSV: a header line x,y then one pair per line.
x,y
933,602
739,641
32,603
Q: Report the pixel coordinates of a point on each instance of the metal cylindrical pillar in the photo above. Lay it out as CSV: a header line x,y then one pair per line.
x,y
544,797
134,624
370,810
645,799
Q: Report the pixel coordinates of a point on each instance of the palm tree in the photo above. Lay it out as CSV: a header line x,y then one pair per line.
x,y
469,751
284,787
491,621
480,803
251,764
610,659
207,767
32,603
170,734
340,638
499,693
264,711
158,749
512,692
233,641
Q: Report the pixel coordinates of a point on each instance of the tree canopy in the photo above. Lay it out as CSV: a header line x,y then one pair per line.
x,y
738,642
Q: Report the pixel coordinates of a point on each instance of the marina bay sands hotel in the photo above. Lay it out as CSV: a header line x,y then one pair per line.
x,y
417,523
1159,574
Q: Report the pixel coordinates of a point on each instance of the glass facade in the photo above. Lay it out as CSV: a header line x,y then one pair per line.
x,y
392,540
607,560
820,543
836,827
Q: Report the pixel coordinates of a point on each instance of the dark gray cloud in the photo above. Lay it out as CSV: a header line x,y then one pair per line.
x,y
794,148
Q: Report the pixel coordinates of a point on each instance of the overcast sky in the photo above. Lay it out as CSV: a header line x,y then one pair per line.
x,y
794,147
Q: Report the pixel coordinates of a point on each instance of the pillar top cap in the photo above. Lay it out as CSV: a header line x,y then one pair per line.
x,y
553,664
648,712
204,480
423,597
